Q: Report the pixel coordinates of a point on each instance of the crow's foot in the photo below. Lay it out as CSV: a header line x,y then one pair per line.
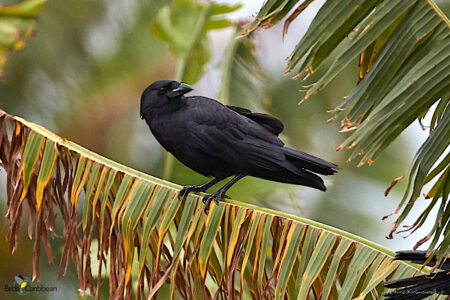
x,y
223,197
188,189
216,197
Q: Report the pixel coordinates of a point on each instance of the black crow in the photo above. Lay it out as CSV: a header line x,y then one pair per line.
x,y
423,286
219,141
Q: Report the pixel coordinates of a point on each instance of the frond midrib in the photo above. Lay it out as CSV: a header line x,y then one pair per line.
x,y
439,12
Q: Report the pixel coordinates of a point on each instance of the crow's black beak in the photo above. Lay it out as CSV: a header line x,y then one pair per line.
x,y
182,89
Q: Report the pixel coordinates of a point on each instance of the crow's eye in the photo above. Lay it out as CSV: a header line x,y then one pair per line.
x,y
162,89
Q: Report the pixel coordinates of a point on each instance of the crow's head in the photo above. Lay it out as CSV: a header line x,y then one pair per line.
x,y
157,93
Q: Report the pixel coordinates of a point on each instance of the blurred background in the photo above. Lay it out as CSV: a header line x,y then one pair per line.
x,y
81,76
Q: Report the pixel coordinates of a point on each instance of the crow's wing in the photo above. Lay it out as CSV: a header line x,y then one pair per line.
x,y
213,114
247,146
269,122
236,139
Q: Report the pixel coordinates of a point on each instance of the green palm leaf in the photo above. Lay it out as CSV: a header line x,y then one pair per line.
x,y
243,77
184,26
404,71
137,220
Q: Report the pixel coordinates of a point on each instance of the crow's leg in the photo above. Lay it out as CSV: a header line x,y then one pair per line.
x,y
197,188
221,192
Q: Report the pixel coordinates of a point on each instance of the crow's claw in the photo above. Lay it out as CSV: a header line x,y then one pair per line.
x,y
188,189
182,193
213,197
206,207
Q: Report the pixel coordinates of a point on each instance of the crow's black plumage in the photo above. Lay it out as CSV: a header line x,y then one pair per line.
x,y
423,286
219,141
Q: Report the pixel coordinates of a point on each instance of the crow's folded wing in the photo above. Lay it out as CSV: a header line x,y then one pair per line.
x,y
269,122
234,138
216,116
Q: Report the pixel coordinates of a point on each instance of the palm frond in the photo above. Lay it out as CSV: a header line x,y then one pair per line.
x,y
184,26
137,220
243,77
404,72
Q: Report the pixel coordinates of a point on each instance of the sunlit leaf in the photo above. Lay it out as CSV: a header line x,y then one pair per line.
x,y
48,161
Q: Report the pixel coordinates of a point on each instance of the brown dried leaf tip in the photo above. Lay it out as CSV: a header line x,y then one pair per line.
x,y
393,183
292,17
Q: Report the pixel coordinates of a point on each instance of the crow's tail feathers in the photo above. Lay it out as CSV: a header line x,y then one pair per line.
x,y
309,162
305,178
305,167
